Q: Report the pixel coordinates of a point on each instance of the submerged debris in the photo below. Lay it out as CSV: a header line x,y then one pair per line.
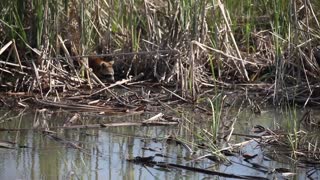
x,y
150,162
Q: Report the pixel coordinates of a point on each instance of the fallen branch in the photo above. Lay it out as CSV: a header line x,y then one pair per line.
x,y
89,108
91,126
149,161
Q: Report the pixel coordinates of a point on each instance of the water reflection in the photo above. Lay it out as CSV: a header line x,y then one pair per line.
x,y
104,151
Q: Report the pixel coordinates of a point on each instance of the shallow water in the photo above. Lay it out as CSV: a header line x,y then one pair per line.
x,y
106,150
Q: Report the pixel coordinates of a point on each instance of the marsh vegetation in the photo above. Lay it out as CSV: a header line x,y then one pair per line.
x,y
216,56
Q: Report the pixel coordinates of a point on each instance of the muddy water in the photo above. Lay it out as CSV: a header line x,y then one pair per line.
x,y
104,152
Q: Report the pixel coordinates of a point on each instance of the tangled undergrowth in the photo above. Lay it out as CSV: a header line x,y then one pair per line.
x,y
268,47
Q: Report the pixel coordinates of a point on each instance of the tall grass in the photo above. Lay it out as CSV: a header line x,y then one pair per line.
x,y
206,131
239,37
293,128
216,107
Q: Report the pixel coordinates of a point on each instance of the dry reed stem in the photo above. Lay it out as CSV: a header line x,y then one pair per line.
x,y
5,47
243,70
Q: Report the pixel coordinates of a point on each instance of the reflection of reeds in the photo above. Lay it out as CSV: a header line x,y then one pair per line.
x,y
299,138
